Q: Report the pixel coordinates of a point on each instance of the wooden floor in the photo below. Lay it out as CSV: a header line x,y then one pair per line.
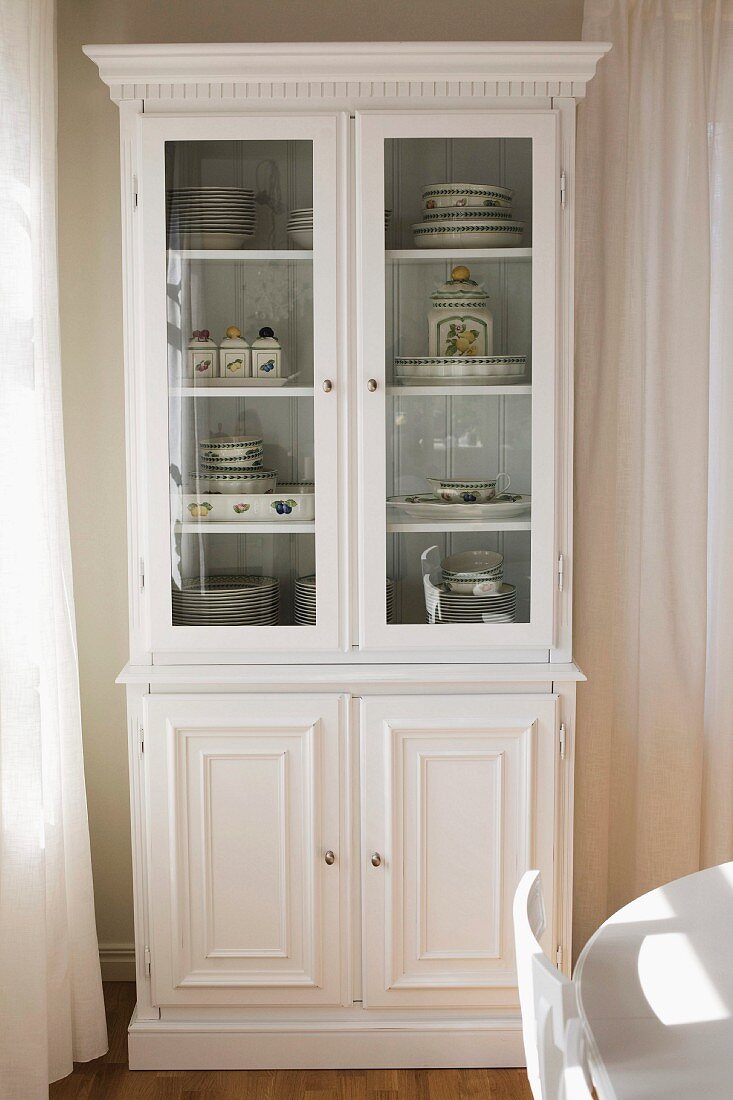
x,y
109,1078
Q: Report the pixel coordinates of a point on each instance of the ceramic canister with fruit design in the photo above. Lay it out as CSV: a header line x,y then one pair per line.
x,y
460,322
202,356
267,356
234,355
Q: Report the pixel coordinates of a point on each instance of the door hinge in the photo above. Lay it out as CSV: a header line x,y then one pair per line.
x,y
558,956
134,192
147,962
560,572
141,573
563,740
141,732
563,190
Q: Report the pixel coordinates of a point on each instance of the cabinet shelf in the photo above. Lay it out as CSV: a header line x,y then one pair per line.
x,y
398,527
458,391
241,391
430,255
232,255
250,528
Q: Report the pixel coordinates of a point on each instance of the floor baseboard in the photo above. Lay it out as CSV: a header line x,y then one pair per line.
x,y
117,961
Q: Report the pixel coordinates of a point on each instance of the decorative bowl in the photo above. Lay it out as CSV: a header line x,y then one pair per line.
x,y
288,504
224,448
464,571
466,194
486,234
253,481
460,490
465,214
460,366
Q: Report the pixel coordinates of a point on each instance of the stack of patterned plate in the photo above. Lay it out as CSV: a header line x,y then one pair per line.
x,y
490,607
305,600
227,601
467,215
300,227
210,217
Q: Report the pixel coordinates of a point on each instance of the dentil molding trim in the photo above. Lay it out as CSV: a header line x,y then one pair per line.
x,y
361,71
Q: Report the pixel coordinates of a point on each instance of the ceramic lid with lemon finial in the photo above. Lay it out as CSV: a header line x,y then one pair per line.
x,y
460,322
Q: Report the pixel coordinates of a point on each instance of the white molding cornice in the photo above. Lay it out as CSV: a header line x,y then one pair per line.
x,y
357,71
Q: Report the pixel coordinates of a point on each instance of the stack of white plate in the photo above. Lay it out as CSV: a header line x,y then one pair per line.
x,y
210,217
305,600
232,455
390,600
300,227
491,607
227,601
467,215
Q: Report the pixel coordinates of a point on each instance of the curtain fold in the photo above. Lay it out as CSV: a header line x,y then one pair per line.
x,y
654,451
51,1008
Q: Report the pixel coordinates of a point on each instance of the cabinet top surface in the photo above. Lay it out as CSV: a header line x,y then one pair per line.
x,y
543,68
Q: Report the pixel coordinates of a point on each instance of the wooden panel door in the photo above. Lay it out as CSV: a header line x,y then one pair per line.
x,y
458,801
245,796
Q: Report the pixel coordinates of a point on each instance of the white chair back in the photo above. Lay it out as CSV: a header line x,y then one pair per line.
x,y
554,1005
546,997
577,1080
529,924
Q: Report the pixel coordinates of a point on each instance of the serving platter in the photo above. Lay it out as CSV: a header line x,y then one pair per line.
x,y
428,506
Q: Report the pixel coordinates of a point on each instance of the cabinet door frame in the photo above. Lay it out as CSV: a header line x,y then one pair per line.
x,y
392,916
326,132
372,128
182,971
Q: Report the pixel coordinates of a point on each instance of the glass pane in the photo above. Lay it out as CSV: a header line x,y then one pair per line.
x,y
239,223
459,405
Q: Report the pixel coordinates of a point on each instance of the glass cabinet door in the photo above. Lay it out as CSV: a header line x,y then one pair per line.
x,y
457,254
240,250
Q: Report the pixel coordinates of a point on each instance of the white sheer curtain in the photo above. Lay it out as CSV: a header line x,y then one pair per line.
x,y
654,423
51,1008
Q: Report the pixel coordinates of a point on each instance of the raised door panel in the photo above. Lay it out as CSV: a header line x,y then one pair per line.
x,y
245,803
459,796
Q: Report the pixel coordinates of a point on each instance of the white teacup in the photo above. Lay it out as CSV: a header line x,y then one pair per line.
x,y
465,491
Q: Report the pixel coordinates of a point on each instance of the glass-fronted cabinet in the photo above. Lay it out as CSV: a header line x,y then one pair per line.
x,y
350,381
457,377
241,347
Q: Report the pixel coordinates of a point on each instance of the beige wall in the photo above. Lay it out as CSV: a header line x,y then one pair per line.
x,y
89,242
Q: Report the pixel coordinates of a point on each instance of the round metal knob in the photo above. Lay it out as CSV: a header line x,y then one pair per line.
x,y
327,385
330,858
376,859
372,385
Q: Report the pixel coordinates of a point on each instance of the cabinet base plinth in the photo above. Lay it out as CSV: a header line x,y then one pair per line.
x,y
437,1044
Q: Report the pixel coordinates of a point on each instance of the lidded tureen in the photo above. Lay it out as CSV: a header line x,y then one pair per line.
x,y
460,322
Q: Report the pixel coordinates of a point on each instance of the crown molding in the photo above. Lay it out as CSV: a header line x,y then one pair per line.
x,y
357,71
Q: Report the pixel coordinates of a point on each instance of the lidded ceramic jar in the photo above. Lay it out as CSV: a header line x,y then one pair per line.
x,y
267,355
460,322
234,355
202,355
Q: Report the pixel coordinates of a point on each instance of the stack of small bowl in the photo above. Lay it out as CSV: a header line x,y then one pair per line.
x,y
234,465
300,227
467,215
472,590
210,217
